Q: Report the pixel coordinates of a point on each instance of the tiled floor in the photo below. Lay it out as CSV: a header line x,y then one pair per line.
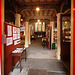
x,y
36,50
41,58
52,66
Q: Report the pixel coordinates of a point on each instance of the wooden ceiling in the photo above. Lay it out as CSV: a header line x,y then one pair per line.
x,y
27,8
41,13
33,2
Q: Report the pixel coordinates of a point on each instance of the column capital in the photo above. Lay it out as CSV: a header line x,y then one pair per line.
x,y
59,13
17,19
17,15
26,20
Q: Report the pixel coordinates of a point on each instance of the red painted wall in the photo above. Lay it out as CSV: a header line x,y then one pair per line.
x,y
7,52
0,42
74,38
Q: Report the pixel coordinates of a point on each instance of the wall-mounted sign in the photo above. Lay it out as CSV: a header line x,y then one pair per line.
x,y
9,30
9,41
16,42
3,39
14,30
14,36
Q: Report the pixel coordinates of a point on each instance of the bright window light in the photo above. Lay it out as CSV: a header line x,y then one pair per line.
x,y
37,8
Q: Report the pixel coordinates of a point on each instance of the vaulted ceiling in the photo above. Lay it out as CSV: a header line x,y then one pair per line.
x,y
33,2
27,8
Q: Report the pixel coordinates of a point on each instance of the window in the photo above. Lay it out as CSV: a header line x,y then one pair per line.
x,y
43,27
39,26
36,28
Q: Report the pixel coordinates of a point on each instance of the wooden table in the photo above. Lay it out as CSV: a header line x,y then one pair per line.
x,y
19,53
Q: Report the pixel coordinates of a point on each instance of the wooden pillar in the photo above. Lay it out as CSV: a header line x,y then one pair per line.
x,y
26,34
2,30
52,34
58,37
29,36
72,53
17,19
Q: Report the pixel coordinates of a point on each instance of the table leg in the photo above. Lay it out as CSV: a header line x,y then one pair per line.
x,y
20,63
12,62
25,55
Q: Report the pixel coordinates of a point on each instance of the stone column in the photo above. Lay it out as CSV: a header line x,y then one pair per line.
x,y
29,37
26,34
2,22
58,37
52,34
17,19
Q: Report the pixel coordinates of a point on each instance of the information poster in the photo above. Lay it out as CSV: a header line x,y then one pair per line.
x,y
14,29
9,41
17,30
16,42
14,36
9,30
18,36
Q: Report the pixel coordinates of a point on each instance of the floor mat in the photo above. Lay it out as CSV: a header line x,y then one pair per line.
x,y
33,71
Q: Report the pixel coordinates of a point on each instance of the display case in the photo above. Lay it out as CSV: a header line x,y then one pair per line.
x,y
55,37
48,37
66,29
65,39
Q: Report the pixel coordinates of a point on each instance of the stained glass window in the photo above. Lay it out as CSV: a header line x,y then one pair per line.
x,y
39,26
43,27
36,27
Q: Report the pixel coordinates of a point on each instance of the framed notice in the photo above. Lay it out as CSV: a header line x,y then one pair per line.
x,y
14,36
14,30
9,41
16,42
18,30
9,30
18,36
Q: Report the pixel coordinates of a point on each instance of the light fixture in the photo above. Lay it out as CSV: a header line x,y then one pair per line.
x,y
38,20
37,9
65,22
21,19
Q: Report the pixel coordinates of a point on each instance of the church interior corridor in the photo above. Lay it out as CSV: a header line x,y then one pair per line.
x,y
36,37
36,50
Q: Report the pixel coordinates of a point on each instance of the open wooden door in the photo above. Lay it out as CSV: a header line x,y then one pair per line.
x,y
0,41
73,37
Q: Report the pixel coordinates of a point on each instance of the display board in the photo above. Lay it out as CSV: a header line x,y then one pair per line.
x,y
48,37
12,42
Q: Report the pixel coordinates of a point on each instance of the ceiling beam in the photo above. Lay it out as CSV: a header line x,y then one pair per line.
x,y
25,14
30,0
43,12
42,17
48,12
18,2
53,13
45,0
42,7
34,3
29,12
34,12
23,1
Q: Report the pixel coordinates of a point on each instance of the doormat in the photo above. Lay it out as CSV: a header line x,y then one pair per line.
x,y
33,71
